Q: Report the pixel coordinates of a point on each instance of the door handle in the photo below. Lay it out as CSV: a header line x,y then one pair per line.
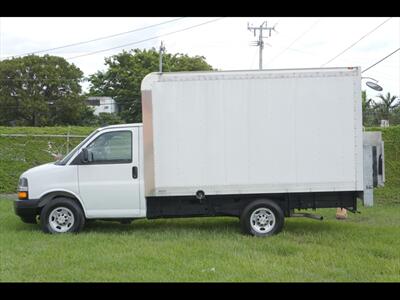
x,y
134,172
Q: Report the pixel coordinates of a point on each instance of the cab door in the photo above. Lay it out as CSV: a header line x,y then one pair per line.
x,y
108,183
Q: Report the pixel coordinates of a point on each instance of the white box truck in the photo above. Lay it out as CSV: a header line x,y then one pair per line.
x,y
257,145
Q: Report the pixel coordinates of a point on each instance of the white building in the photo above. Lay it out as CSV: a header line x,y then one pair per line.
x,y
102,105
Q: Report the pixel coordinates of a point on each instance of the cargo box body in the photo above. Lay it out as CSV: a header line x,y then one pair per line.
x,y
252,132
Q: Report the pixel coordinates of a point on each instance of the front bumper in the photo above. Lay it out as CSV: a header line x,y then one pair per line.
x,y
27,208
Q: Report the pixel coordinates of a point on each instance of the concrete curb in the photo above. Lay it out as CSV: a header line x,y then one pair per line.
x,y
8,196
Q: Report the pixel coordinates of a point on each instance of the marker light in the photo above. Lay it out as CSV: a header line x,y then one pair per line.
x,y
22,195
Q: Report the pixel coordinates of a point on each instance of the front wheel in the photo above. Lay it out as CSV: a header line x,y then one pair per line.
x,y
62,215
262,218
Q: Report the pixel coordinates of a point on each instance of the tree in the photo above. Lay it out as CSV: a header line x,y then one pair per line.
x,y
125,72
367,110
40,90
387,106
88,118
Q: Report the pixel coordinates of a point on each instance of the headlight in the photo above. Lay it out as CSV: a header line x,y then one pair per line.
x,y
23,188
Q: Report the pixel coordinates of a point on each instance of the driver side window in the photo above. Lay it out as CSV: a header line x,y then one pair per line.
x,y
111,147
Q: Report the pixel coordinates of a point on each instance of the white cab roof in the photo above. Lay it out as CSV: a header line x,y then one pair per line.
x,y
130,125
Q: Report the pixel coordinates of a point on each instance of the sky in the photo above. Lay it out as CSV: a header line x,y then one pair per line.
x,y
225,42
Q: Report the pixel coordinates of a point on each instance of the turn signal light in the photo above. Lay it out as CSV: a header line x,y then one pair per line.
x,y
22,195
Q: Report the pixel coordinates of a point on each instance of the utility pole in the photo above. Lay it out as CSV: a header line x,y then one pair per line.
x,y
162,49
260,42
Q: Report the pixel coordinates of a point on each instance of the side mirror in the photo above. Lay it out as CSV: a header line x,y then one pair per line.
x,y
85,155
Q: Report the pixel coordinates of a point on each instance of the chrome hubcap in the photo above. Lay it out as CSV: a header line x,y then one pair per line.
x,y
262,220
61,219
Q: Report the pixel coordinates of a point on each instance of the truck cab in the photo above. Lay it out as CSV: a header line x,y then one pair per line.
x,y
102,176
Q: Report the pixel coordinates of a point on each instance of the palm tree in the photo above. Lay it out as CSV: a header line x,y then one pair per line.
x,y
387,105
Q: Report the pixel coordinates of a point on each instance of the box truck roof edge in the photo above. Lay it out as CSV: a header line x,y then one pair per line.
x,y
154,76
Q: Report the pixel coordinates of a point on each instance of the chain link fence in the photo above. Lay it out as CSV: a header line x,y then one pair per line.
x,y
375,119
19,152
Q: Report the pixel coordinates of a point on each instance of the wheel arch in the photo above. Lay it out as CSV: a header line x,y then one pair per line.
x,y
49,196
278,200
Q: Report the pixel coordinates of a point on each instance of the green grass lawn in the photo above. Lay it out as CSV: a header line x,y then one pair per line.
x,y
365,247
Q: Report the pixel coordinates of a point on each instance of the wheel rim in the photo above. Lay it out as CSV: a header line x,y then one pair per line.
x,y
262,220
61,219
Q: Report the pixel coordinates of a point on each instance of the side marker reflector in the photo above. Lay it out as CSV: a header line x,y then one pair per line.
x,y
22,195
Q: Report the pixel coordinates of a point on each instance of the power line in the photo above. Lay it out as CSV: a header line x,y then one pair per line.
x,y
352,45
85,101
145,40
104,104
41,79
84,80
379,61
96,39
295,40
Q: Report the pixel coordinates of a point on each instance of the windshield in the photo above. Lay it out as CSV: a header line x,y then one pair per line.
x,y
73,151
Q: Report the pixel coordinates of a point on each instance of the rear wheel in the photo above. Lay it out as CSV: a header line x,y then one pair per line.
x,y
262,218
62,215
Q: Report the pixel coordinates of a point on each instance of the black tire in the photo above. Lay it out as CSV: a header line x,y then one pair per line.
x,y
29,220
60,203
273,211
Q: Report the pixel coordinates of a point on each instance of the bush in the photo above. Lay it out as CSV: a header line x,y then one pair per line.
x,y
105,119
